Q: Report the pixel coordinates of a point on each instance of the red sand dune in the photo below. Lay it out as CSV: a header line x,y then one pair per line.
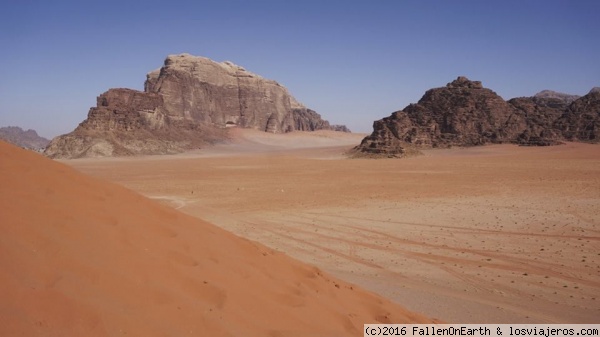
x,y
84,257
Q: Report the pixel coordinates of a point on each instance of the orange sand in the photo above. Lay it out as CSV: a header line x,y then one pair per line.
x,y
84,257
496,234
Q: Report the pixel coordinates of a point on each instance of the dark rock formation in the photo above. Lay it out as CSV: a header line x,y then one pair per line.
x,y
464,113
307,120
540,113
391,137
340,128
185,104
26,139
581,121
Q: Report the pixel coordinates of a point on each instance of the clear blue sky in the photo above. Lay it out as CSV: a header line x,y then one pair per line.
x,y
351,61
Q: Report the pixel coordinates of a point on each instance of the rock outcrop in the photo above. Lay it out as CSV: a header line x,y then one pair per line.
x,y
340,128
464,113
26,139
581,121
130,122
184,105
540,113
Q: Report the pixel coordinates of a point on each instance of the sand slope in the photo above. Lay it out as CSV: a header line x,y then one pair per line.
x,y
492,234
84,257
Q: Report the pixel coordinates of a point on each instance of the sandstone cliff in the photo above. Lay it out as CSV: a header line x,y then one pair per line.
x,y
130,122
464,113
185,105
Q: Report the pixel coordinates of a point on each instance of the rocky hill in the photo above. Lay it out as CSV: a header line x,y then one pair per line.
x,y
464,113
26,139
185,104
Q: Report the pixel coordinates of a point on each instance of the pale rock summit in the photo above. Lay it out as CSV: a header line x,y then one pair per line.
x,y
550,94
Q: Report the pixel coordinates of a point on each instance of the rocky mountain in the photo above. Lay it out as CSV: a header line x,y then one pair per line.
x,y
26,139
185,104
464,113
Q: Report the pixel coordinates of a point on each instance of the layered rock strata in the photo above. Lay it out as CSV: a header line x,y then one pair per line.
x,y
184,105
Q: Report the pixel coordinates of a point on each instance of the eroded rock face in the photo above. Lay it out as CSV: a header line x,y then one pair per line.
x,y
581,121
540,114
200,89
340,128
185,104
125,110
130,122
464,113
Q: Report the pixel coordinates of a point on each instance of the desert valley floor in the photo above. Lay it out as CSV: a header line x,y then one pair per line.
x,y
492,234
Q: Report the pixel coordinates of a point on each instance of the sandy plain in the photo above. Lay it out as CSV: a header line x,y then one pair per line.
x,y
81,256
493,234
